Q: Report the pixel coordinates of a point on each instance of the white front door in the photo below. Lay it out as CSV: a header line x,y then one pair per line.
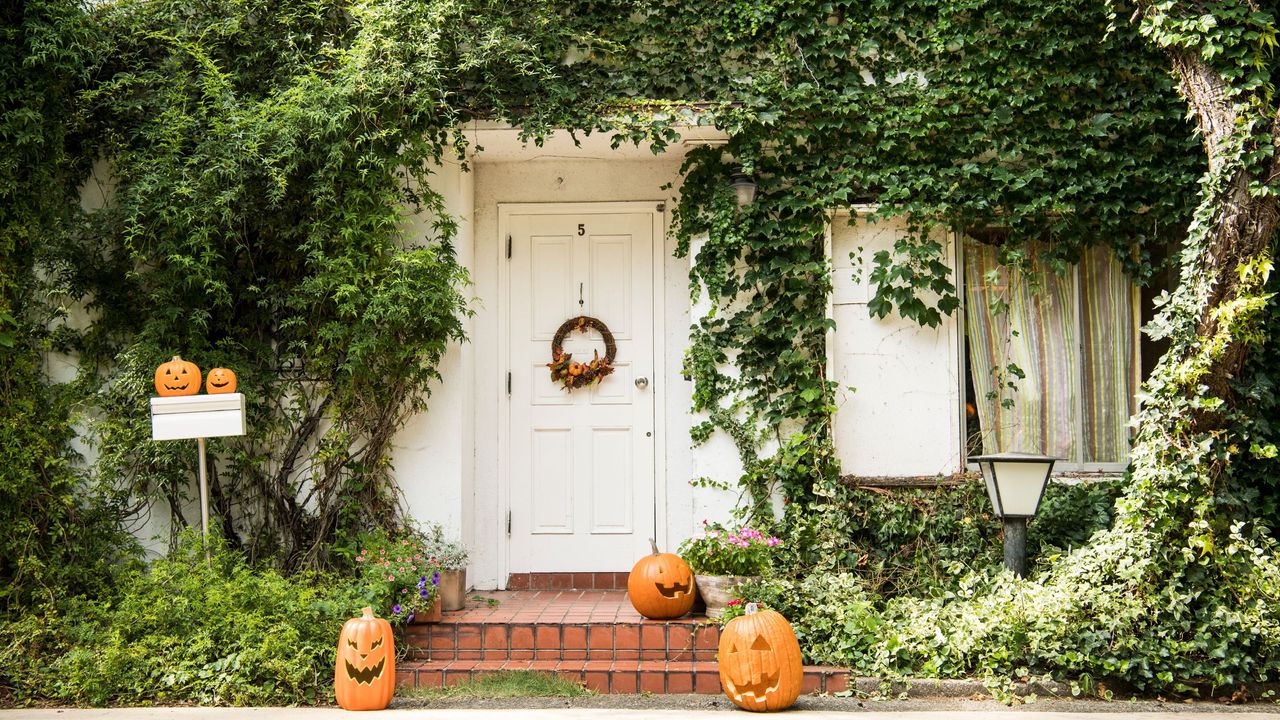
x,y
581,461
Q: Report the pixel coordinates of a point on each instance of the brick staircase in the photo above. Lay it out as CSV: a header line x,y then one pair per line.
x,y
593,637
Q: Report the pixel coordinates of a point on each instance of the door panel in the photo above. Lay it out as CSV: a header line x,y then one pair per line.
x,y
581,462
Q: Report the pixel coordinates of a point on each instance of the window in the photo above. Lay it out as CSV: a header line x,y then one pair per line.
x,y
1052,359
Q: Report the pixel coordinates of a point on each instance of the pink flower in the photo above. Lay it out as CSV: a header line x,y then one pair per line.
x,y
359,558
734,601
391,577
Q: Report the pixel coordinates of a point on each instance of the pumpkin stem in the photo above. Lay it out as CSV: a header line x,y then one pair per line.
x,y
653,544
367,613
751,609
176,358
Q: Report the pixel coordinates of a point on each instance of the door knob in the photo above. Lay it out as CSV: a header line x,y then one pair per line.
x,y
642,383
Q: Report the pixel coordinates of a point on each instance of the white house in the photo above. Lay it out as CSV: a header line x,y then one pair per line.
x,y
539,480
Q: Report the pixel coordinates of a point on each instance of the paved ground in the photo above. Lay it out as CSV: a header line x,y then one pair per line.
x,y
893,710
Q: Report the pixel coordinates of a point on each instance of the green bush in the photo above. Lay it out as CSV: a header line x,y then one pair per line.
x,y
186,630
920,550
834,618
921,541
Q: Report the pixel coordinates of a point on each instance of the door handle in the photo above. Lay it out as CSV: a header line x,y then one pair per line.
x,y
642,382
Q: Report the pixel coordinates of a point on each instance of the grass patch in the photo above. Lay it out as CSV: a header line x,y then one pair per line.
x,y
510,683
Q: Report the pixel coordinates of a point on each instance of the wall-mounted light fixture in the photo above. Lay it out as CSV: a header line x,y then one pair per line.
x,y
744,186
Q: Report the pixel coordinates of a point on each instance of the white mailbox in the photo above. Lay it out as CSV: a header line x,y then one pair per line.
x,y
197,416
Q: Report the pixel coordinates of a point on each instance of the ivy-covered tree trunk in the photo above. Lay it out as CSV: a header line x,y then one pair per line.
x,y
1235,228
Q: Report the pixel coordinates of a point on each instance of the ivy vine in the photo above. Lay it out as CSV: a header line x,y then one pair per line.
x,y
259,164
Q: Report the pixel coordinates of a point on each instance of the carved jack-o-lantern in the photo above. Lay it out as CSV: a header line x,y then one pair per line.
x,y
661,585
759,659
177,377
220,380
365,676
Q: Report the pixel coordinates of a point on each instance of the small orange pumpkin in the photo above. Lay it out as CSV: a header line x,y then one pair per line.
x,y
760,665
220,380
576,368
177,377
661,585
364,677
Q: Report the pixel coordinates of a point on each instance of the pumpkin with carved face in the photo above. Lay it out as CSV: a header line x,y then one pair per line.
x,y
177,377
759,659
661,585
365,676
220,380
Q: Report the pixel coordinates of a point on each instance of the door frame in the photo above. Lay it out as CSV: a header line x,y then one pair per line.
x,y
656,210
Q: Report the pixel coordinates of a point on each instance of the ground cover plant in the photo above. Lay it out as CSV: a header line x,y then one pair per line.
x,y
260,166
187,629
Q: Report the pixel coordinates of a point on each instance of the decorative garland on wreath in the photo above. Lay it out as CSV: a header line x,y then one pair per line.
x,y
572,374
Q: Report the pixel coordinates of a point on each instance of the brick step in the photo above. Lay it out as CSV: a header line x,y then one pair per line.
x,y
605,676
684,640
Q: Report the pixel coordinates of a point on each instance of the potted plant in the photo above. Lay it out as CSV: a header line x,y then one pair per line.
x,y
400,568
722,559
451,557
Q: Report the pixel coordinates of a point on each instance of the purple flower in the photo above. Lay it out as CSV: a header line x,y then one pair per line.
x,y
435,578
424,594
422,582
409,619
395,609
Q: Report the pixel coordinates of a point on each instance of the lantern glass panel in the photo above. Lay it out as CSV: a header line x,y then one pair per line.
x,y
991,486
1020,485
744,188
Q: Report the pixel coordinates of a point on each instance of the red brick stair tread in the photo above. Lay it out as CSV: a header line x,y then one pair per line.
x,y
606,677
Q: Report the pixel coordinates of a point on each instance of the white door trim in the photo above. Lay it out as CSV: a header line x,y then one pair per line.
x,y
654,208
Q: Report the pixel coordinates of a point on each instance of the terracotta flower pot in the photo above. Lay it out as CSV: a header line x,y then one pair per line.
x,y
717,590
453,589
431,615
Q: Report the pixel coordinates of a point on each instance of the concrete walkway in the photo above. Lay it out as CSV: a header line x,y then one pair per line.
x,y
1200,713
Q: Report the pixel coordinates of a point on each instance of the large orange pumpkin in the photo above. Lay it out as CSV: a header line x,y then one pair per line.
x,y
365,675
760,664
177,377
661,585
220,380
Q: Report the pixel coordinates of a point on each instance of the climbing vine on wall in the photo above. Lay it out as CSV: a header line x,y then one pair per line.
x,y
259,168
258,164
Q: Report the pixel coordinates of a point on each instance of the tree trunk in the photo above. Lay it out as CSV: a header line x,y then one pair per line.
x,y
1239,226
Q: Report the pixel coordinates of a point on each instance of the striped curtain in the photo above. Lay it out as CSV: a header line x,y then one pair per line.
x,y
1078,368
1109,349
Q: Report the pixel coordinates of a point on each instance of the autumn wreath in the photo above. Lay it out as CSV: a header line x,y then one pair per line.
x,y
571,374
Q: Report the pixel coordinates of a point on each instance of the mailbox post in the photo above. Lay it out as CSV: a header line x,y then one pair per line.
x,y
198,417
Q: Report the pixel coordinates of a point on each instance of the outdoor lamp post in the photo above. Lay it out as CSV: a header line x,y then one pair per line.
x,y
744,186
1015,484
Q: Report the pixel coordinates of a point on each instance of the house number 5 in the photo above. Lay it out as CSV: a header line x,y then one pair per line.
x,y
582,229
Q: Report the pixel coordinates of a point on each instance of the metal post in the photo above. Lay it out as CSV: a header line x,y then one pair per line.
x,y
1015,545
204,494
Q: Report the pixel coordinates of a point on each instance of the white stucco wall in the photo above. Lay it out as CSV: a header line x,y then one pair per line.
x,y
902,416
432,454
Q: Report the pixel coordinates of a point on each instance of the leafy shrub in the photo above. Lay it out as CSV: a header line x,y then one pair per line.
x,y
920,541
834,618
186,630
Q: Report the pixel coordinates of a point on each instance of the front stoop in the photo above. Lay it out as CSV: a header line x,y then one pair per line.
x,y
593,637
